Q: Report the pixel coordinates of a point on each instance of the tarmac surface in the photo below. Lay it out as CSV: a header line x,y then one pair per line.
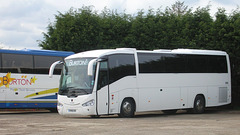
x,y
42,122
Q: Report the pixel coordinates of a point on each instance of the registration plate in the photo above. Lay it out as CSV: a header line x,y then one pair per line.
x,y
72,110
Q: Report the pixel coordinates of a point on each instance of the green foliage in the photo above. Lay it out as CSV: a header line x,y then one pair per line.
x,y
176,27
178,8
76,30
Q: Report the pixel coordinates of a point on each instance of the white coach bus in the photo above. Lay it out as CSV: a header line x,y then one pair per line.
x,y
24,81
124,81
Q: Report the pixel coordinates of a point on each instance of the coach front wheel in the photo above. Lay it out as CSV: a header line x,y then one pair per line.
x,y
127,108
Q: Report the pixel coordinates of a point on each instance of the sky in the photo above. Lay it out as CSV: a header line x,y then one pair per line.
x,y
22,22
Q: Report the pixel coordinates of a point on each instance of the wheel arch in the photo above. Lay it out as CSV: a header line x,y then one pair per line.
x,y
131,98
192,96
126,112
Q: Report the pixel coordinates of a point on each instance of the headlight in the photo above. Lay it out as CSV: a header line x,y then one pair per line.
x,y
60,104
89,103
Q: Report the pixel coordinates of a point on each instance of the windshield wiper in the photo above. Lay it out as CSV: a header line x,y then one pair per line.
x,y
66,90
84,90
73,91
77,90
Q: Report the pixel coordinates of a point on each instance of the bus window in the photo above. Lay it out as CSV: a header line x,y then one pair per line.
x,y
43,63
151,63
121,65
103,75
197,64
17,63
217,64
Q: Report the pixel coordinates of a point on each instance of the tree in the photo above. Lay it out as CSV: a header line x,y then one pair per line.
x,y
115,28
76,30
202,26
178,9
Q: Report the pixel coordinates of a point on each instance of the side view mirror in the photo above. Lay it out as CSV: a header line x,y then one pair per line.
x,y
90,67
53,67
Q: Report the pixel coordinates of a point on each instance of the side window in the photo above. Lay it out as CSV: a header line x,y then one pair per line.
x,y
103,75
17,63
181,63
197,64
43,63
174,63
161,63
151,63
121,65
217,64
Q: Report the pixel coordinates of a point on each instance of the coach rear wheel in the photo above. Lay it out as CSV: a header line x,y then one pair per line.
x,y
199,104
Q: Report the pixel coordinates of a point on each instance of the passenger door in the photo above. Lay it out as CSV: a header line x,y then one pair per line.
x,y
103,89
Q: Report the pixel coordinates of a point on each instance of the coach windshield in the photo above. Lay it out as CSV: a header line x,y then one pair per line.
x,y
75,79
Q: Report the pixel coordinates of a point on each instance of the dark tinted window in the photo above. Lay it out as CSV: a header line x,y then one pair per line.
x,y
217,64
43,63
181,63
174,63
151,63
121,65
21,63
17,63
161,63
103,75
197,63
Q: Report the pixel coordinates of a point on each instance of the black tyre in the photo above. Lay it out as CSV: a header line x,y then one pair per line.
x,y
199,104
53,110
127,108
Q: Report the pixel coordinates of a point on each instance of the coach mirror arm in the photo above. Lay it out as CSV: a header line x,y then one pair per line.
x,y
51,70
